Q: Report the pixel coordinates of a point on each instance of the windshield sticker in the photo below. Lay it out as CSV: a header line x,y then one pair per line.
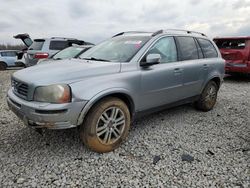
x,y
136,42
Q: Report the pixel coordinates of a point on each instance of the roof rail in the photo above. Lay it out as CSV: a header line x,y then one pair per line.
x,y
187,31
63,38
157,32
160,32
122,33
118,34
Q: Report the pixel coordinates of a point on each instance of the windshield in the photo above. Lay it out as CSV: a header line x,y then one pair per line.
x,y
68,53
117,49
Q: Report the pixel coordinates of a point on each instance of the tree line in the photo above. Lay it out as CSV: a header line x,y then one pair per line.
x,y
11,47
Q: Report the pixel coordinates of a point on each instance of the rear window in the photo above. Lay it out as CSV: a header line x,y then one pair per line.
x,y
231,43
208,48
58,45
37,44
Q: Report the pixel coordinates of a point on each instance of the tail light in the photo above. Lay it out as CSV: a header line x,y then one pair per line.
x,y
40,55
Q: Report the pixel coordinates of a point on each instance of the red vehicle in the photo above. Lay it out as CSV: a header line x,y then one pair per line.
x,y
236,52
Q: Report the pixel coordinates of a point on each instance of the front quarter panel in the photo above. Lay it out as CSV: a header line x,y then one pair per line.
x,y
95,88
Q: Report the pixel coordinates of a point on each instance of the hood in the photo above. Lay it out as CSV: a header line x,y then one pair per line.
x,y
65,71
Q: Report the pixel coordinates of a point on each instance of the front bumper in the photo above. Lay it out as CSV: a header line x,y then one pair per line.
x,y
45,115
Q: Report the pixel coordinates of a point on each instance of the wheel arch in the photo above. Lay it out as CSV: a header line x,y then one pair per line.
x,y
124,96
4,63
213,77
217,80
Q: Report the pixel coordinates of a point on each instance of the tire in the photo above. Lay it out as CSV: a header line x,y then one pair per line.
x,y
208,97
23,65
3,66
102,133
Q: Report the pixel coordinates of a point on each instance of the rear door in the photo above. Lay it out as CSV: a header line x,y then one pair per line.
x,y
193,68
9,57
12,55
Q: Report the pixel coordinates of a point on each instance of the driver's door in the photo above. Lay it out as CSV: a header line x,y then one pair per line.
x,y
162,83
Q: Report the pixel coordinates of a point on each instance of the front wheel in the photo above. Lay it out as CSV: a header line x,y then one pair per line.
x,y
208,97
106,125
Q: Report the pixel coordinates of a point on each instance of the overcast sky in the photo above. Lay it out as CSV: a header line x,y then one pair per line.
x,y
95,20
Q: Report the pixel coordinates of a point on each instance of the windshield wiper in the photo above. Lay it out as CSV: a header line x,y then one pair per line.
x,y
96,59
58,58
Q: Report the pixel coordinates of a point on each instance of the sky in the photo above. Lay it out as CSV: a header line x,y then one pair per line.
x,y
97,20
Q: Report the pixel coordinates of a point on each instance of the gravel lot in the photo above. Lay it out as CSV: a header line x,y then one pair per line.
x,y
180,147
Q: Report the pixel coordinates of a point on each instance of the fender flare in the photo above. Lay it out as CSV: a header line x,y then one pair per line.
x,y
211,78
99,96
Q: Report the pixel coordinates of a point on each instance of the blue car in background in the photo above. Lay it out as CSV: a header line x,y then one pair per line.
x,y
7,58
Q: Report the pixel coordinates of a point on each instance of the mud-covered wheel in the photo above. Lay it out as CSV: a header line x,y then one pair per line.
x,y
106,125
2,66
208,97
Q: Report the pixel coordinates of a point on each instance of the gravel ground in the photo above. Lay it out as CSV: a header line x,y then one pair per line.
x,y
180,147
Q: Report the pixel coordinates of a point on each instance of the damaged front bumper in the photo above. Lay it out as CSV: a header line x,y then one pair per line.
x,y
45,115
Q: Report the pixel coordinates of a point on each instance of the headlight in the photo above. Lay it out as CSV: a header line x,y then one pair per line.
x,y
58,93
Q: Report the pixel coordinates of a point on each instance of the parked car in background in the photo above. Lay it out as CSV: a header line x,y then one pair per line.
x,y
110,84
45,47
236,52
20,60
71,52
7,58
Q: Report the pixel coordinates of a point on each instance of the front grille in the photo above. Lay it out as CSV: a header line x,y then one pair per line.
x,y
20,88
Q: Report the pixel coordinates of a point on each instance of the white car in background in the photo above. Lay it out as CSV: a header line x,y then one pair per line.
x,y
44,48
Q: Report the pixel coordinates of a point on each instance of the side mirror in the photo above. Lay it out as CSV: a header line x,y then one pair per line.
x,y
152,59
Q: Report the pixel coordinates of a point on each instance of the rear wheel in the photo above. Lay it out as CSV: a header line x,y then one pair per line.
x,y
106,125
3,66
208,97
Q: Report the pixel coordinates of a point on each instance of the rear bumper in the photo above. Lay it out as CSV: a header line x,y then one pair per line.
x,y
237,67
45,115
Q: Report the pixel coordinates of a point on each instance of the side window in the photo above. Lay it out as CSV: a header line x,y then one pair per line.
x,y
166,48
208,48
188,48
11,54
4,54
58,45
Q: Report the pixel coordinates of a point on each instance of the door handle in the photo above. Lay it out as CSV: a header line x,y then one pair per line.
x,y
205,66
177,70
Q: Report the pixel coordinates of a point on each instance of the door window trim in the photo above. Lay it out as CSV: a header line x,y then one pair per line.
x,y
179,49
199,46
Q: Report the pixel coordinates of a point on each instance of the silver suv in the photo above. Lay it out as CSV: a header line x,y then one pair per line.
x,y
43,48
130,74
